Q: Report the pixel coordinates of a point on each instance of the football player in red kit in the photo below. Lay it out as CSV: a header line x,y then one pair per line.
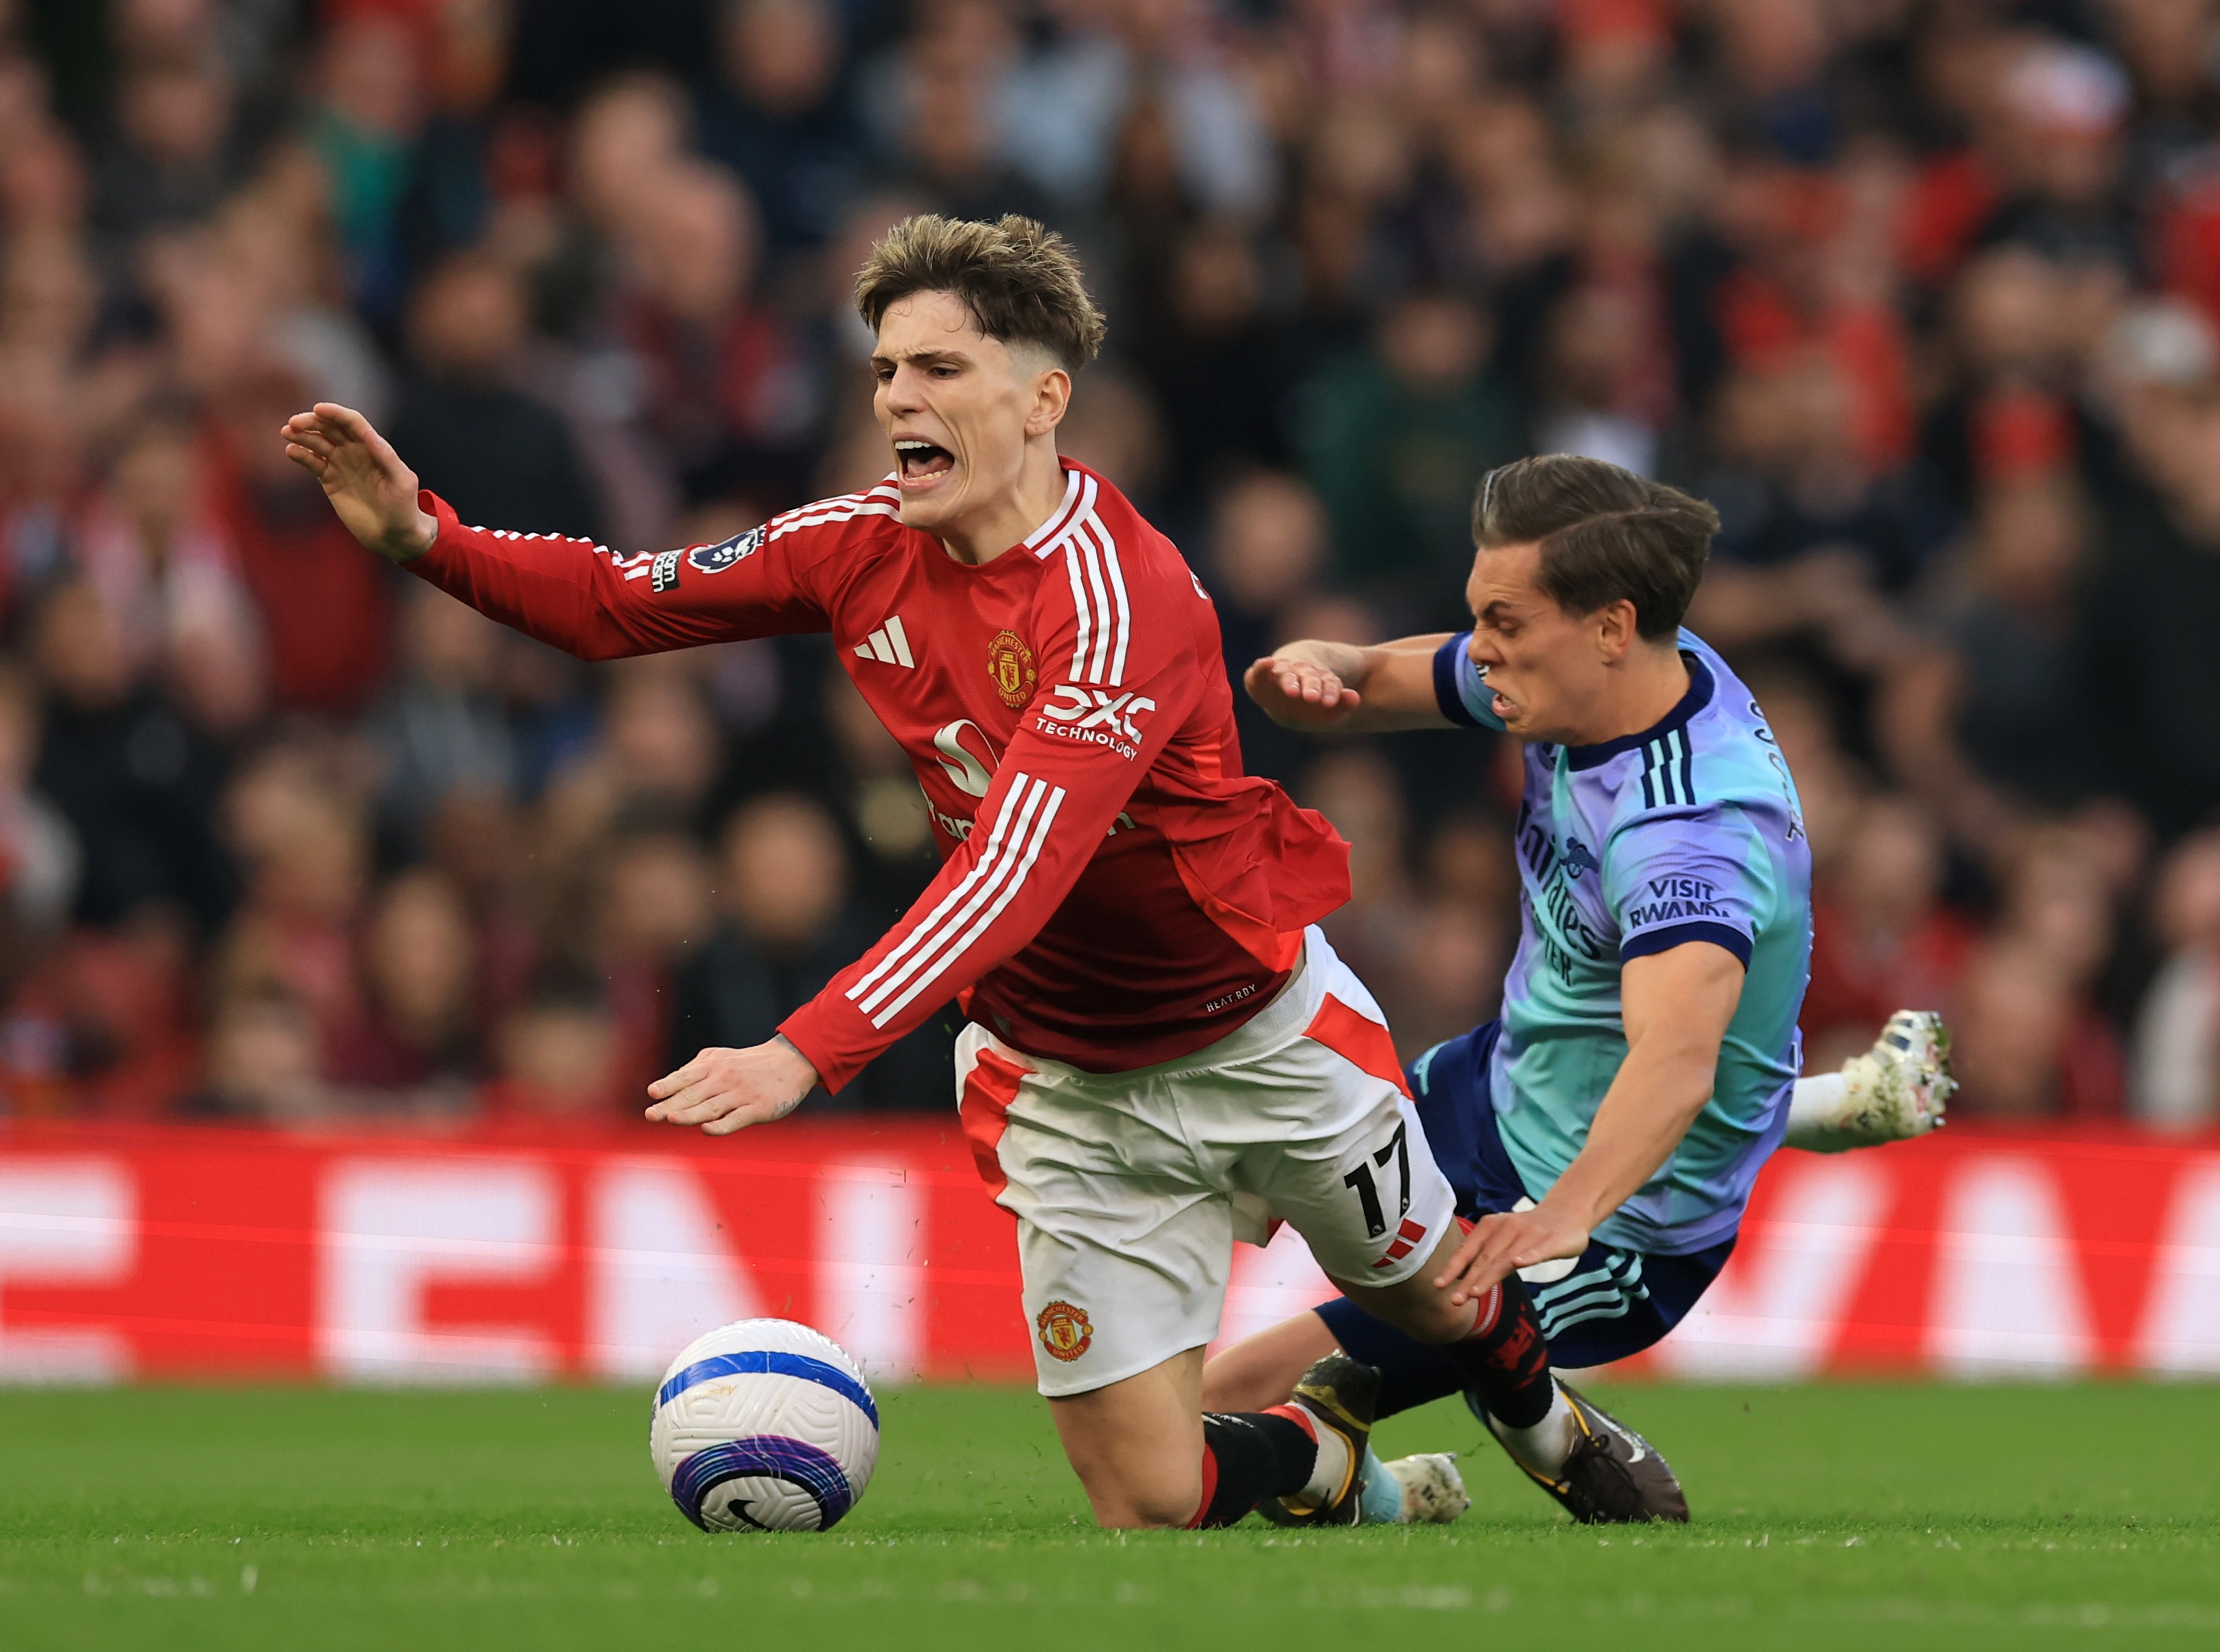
x,y
1163,1052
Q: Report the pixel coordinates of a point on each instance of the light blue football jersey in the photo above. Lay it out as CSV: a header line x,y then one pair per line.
x,y
1688,830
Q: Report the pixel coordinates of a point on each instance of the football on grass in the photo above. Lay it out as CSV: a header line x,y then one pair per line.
x,y
764,1425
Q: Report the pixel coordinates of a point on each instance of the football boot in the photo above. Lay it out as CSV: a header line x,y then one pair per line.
x,y
1433,1491
1611,1476
1896,1090
1337,1393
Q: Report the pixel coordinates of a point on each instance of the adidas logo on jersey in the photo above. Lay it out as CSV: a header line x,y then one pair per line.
x,y
888,644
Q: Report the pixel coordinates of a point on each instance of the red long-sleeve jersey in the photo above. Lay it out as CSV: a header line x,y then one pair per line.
x,y
1114,891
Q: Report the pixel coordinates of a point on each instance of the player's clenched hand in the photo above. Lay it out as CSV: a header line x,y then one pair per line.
x,y
1499,1246
1300,693
373,492
726,1090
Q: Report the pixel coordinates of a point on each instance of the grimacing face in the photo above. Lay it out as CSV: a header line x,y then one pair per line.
x,y
1547,670
959,408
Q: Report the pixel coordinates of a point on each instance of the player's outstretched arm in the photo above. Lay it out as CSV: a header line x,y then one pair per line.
x,y
1677,1005
726,1090
1346,689
571,593
373,492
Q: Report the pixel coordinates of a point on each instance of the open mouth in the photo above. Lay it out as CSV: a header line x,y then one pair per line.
x,y
921,461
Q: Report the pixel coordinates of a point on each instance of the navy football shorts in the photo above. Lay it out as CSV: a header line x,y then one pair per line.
x,y
1614,1303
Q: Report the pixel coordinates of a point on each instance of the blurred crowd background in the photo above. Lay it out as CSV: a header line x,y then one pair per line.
x,y
1923,293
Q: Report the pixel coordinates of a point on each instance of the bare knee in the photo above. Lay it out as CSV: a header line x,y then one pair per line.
x,y
1128,1506
1133,1482
1137,1444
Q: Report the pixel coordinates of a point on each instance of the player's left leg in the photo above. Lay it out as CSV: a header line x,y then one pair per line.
x,y
1604,1309
1495,1348
1341,1152
1498,1350
1125,1231
1897,1090
1605,1306
1345,1160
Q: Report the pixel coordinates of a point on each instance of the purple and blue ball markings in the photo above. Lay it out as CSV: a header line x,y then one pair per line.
x,y
775,1363
769,1456
763,1457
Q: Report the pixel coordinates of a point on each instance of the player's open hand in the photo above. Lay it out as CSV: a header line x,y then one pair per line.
x,y
726,1090
1499,1246
373,492
1299,692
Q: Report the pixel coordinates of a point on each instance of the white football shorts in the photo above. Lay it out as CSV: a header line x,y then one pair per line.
x,y
1131,1187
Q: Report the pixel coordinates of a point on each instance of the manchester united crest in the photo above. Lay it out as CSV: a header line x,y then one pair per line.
x,y
1010,663
1064,1331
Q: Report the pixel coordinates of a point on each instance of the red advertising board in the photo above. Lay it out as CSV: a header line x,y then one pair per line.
x,y
175,1254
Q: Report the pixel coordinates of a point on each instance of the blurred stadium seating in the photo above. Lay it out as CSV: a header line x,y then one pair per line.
x,y
1923,293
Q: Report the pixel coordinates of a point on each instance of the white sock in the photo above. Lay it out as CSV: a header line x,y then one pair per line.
x,y
1546,1446
1811,1104
1331,1468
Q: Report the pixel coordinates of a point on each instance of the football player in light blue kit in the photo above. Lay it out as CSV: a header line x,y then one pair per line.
x,y
1686,832
1604,1134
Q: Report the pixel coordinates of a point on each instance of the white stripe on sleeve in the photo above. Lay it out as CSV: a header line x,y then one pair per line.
x,y
948,902
1033,844
1025,799
1125,621
1104,617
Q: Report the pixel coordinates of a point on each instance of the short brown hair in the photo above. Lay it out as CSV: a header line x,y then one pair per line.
x,y
1019,280
1605,535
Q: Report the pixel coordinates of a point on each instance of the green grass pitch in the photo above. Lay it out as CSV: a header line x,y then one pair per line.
x,y
1831,1516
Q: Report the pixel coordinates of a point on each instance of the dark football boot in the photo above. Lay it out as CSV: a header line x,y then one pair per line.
x,y
1339,1393
1613,1476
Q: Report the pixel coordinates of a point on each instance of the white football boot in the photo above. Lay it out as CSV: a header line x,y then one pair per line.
x,y
1895,1091
1433,1491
